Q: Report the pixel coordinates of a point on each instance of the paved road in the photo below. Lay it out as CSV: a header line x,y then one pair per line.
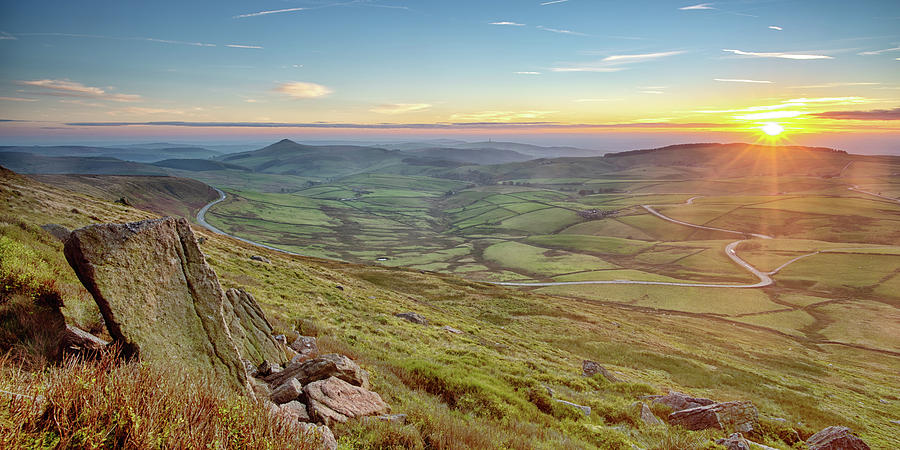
x,y
764,277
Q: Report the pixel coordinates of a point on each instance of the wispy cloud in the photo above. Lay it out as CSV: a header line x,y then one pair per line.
x,y
17,99
553,2
527,73
640,57
875,114
302,89
776,55
878,52
699,6
4,36
501,116
614,63
423,126
271,11
400,108
836,84
242,46
561,31
590,100
739,80
773,27
513,24
651,91
67,88
771,115
119,38
586,69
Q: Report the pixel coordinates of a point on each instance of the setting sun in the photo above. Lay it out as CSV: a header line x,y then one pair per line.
x,y
772,129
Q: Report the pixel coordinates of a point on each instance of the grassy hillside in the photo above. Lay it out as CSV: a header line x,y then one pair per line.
x,y
169,196
136,154
487,387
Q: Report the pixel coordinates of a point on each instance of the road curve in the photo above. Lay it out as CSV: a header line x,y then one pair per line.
x,y
201,219
764,278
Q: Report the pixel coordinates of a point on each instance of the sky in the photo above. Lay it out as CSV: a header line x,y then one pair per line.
x,y
593,73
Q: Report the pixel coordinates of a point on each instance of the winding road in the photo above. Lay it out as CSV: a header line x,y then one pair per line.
x,y
764,277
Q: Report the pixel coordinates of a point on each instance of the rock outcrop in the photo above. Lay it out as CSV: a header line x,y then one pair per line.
x,y
306,348
678,401
836,438
320,368
727,416
158,296
335,400
250,329
413,317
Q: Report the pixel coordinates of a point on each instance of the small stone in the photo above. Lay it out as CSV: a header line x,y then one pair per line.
x,y
836,438
734,442
586,410
306,348
399,419
261,259
678,401
339,287
322,435
294,411
413,317
335,400
646,414
450,329
267,368
727,416
58,231
74,340
281,339
591,368
287,392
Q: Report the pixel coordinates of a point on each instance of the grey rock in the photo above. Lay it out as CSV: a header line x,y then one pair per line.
x,y
294,411
261,259
727,416
287,392
734,442
280,338
322,367
158,296
250,329
586,410
836,438
678,401
591,368
58,231
646,414
266,368
450,329
306,348
320,434
334,400
413,317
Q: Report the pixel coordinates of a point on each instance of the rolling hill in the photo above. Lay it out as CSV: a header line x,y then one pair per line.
x,y
137,154
33,163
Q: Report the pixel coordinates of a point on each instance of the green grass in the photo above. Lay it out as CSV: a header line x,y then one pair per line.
x,y
530,259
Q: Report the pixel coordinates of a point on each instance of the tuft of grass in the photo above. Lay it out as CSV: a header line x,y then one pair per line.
x,y
107,403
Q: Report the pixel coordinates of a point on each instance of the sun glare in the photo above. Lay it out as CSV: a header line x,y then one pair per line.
x,y
772,129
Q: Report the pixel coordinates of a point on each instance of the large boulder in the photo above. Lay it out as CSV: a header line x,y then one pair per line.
x,y
678,401
328,365
335,400
158,296
287,392
727,416
836,438
250,329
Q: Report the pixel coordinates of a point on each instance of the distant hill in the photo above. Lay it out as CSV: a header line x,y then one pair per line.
x,y
533,151
700,160
287,157
167,196
128,153
32,163
197,165
472,155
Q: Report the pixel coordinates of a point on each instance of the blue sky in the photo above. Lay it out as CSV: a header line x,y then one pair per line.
x,y
575,69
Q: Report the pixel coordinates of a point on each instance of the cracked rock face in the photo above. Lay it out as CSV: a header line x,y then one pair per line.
x,y
250,329
158,296
335,400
